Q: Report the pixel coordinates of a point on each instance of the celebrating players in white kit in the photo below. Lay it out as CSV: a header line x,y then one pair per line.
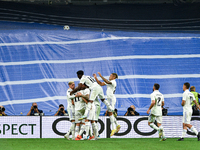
x,y
111,86
71,111
187,100
96,91
157,101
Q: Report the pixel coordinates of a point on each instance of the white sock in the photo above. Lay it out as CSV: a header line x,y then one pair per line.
x,y
94,126
87,128
183,133
76,131
88,107
194,130
82,129
97,128
90,131
72,128
154,126
109,107
161,127
112,122
115,120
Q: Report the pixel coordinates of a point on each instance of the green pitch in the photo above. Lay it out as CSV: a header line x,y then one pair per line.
x,y
103,144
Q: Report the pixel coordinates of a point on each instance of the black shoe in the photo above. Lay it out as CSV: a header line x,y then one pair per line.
x,y
198,136
181,139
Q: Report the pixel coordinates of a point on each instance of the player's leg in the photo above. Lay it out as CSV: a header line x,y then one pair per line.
x,y
77,116
151,121
185,121
161,129
112,120
91,118
102,97
112,103
87,127
97,113
192,128
72,128
94,127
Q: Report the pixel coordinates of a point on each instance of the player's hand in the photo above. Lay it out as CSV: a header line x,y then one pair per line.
x,y
94,75
78,94
148,111
99,73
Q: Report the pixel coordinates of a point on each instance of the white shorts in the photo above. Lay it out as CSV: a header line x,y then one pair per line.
x,y
71,114
152,118
187,117
91,113
96,91
112,102
79,114
97,112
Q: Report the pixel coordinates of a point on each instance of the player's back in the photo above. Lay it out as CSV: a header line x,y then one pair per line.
x,y
89,81
159,98
188,97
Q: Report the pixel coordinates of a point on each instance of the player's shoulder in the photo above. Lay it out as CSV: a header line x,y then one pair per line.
x,y
152,94
69,90
113,82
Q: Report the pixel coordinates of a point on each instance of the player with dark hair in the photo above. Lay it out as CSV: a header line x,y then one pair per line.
x,y
96,91
157,101
187,100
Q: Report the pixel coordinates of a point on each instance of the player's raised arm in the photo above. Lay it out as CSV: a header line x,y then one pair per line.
x,y
99,82
104,79
76,89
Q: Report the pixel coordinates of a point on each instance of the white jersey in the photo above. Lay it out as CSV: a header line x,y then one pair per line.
x,y
111,89
157,108
78,101
188,97
89,81
69,98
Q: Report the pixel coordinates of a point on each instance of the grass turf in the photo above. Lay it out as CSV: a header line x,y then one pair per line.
x,y
102,144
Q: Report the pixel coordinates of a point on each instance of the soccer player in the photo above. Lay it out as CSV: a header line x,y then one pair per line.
x,y
71,111
111,86
187,100
157,101
90,117
80,106
96,91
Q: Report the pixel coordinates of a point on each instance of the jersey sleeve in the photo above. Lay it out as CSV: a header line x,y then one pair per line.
x,y
70,96
82,80
152,97
162,98
184,97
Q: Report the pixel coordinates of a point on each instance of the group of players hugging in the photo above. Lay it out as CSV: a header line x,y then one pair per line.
x,y
84,107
